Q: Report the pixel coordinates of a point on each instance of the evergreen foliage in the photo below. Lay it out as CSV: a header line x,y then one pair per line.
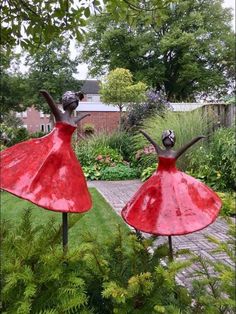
x,y
36,277
120,275
215,290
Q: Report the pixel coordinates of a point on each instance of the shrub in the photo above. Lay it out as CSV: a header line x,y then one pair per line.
x,y
123,142
118,276
36,277
228,207
88,129
92,172
37,134
214,291
119,172
215,163
147,172
145,158
104,151
2,147
11,136
94,159
155,104
107,156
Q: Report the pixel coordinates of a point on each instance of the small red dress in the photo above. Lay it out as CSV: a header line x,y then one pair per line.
x,y
171,203
46,172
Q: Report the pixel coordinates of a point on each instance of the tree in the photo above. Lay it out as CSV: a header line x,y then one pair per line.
x,y
119,89
52,69
37,22
186,52
12,86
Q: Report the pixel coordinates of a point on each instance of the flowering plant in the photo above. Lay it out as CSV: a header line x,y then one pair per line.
x,y
147,150
155,103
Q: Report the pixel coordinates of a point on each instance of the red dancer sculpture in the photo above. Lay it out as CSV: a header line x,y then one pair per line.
x,y
171,202
45,170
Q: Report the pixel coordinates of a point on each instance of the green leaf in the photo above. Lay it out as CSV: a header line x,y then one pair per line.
x,y
87,12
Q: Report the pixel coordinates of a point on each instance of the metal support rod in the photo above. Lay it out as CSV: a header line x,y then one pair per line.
x,y
65,231
171,257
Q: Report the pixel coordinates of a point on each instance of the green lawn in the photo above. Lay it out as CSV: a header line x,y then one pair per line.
x,y
100,221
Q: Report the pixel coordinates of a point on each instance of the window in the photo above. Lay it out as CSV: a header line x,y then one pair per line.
x,y
93,98
48,127
96,97
42,128
41,114
24,114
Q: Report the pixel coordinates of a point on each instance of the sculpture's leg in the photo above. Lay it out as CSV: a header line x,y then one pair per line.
x,y
170,249
65,231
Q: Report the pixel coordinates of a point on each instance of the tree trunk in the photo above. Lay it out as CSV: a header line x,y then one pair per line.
x,y
120,117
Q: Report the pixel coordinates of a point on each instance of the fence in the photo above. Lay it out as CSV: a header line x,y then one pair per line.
x,y
223,114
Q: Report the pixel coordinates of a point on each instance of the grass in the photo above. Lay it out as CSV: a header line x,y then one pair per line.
x,y
100,221
186,126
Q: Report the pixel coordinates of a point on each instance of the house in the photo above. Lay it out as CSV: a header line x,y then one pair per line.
x,y
103,118
90,89
35,121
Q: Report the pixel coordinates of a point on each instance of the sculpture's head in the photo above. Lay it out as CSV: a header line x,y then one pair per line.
x,y
168,138
70,100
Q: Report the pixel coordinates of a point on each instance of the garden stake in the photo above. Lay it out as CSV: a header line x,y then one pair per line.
x,y
65,231
171,257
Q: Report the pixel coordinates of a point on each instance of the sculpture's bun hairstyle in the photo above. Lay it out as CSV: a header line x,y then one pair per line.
x,y
80,95
170,135
68,98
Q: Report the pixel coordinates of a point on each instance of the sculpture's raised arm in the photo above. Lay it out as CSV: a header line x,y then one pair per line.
x,y
183,149
80,117
56,112
156,146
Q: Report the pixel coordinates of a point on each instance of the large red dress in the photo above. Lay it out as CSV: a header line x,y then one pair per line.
x,y
46,172
171,203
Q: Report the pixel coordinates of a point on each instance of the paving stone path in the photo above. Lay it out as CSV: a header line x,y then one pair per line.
x,y
118,193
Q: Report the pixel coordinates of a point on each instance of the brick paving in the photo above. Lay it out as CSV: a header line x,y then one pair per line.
x,y
118,193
